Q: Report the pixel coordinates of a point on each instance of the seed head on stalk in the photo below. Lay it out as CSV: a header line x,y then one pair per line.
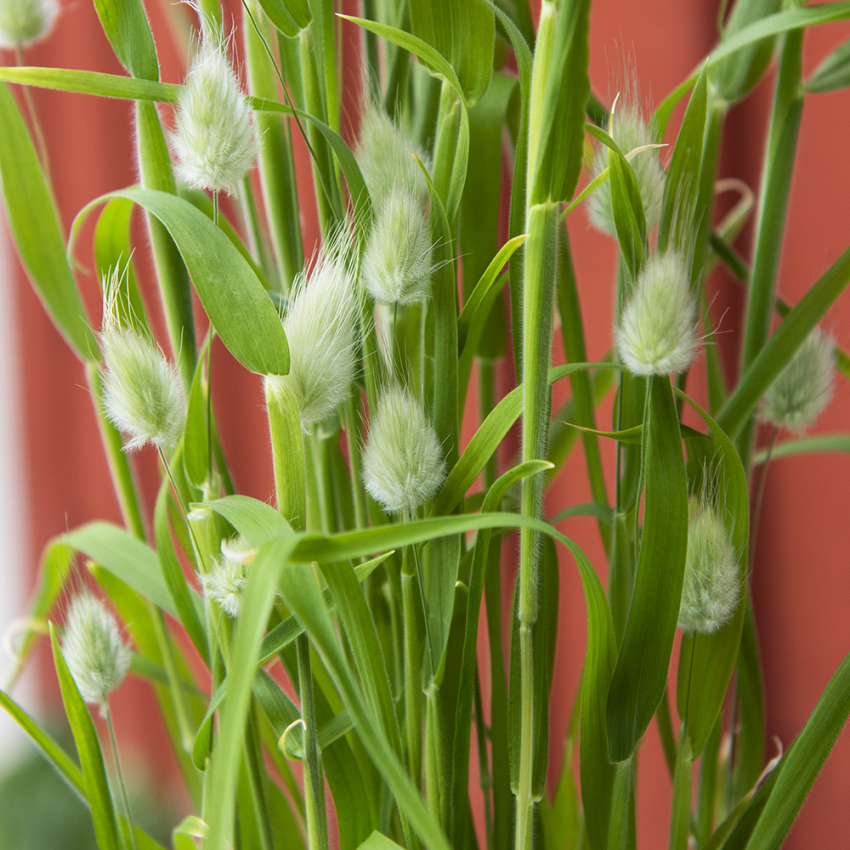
x,y
142,393
403,465
93,649
23,22
712,585
803,389
657,333
214,139
321,329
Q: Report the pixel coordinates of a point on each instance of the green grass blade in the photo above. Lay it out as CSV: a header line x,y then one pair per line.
x,y
184,599
790,19
112,249
301,594
54,567
91,757
36,230
710,668
773,206
463,31
126,26
831,443
487,438
258,522
683,173
63,764
833,73
233,297
641,674
738,73
129,560
91,82
782,345
803,761
478,297
556,134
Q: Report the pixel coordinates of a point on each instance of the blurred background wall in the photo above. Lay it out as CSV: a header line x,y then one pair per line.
x,y
53,475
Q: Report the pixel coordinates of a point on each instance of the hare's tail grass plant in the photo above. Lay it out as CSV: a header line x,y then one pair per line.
x,y
336,622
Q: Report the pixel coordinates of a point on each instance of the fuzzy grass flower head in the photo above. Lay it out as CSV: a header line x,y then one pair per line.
x,y
712,586
142,393
215,141
384,156
23,22
93,649
657,333
224,583
803,389
403,465
630,130
320,327
397,262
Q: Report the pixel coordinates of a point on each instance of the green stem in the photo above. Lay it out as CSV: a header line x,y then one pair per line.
x,y
412,670
287,451
773,206
537,345
175,291
124,799
314,784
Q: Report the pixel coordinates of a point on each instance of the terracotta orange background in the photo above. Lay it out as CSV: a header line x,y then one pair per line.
x,y
801,580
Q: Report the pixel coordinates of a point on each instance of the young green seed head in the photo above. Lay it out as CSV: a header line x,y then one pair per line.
x,y
224,583
320,327
93,649
403,464
384,156
214,139
397,262
803,389
712,586
657,333
23,22
142,393
629,130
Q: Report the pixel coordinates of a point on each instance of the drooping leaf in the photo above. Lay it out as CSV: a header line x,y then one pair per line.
x,y
36,230
640,677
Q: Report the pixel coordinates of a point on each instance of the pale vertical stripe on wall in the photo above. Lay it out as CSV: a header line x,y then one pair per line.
x,y
14,563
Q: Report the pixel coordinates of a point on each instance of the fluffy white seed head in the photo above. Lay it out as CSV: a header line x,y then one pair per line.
x,y
397,261
214,140
224,583
657,333
403,465
629,130
384,156
23,22
142,393
712,587
321,330
803,389
93,649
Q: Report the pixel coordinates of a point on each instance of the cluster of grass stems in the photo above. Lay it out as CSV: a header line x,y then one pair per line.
x,y
363,585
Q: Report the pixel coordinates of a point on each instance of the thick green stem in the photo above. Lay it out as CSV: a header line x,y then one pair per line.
x,y
540,257
175,291
328,197
276,165
287,451
773,207
680,820
412,671
314,784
